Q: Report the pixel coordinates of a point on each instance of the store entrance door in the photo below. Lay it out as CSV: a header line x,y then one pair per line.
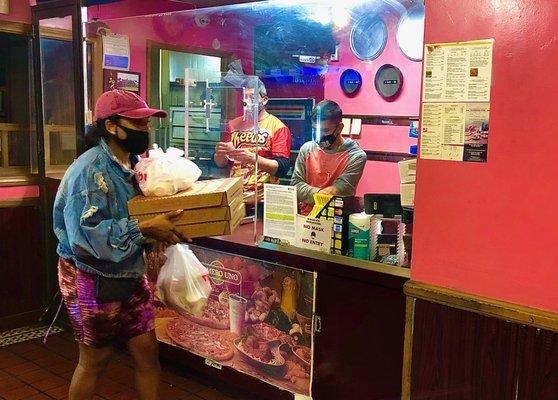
x,y
58,77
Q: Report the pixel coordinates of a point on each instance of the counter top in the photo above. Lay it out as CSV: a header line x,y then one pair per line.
x,y
244,242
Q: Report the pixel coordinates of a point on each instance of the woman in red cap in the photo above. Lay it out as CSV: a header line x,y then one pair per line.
x,y
101,266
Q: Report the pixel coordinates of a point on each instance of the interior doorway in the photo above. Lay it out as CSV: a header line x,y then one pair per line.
x,y
165,72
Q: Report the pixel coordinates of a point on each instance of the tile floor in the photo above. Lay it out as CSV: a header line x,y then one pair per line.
x,y
32,371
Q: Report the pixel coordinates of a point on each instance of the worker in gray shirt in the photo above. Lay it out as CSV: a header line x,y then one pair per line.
x,y
329,163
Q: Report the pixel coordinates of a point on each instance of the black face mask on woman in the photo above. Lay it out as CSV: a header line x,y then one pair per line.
x,y
136,142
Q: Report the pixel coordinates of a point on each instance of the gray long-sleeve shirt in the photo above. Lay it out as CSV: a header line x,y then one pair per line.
x,y
316,168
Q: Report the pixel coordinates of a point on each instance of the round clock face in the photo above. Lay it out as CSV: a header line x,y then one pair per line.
x,y
368,37
388,81
410,32
350,81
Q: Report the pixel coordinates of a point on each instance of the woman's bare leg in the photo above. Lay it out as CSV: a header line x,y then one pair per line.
x,y
92,362
145,351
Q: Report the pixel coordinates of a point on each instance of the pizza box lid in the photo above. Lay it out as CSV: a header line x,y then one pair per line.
x,y
216,228
203,194
199,215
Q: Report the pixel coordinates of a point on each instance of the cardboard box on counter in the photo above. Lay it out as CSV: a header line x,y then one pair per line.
x,y
407,194
215,228
407,170
203,194
199,215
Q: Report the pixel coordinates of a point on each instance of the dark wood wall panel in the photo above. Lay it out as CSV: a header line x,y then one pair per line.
x,y
20,261
458,355
538,372
359,351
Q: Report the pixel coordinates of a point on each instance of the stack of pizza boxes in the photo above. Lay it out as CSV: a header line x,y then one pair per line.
x,y
211,208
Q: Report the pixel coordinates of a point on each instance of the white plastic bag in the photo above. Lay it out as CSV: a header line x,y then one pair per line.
x,y
164,174
183,282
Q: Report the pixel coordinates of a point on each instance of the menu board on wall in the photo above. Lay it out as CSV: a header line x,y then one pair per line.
x,y
456,101
258,319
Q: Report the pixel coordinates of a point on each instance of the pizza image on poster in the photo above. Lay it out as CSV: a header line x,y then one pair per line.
x,y
257,319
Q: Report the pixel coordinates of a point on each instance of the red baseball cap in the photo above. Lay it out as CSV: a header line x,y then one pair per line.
x,y
124,104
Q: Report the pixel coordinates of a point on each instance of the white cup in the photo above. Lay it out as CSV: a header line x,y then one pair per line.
x,y
237,311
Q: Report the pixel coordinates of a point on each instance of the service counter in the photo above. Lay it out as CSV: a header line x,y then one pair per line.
x,y
358,327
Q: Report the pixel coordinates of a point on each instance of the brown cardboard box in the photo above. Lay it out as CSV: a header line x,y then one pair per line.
x,y
204,194
199,215
216,228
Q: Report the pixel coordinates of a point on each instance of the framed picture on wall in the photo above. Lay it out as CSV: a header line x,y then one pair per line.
x,y
123,80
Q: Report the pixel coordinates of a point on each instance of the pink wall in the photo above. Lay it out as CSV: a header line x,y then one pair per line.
x,y
378,177
18,192
128,8
490,229
180,29
20,11
59,23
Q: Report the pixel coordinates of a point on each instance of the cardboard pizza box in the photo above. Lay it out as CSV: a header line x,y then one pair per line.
x,y
203,194
199,215
216,228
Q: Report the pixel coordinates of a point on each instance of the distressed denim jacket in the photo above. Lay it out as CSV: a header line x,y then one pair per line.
x,y
91,217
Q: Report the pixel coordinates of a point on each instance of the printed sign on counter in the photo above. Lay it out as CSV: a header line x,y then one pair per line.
x,y
116,52
313,234
258,319
280,210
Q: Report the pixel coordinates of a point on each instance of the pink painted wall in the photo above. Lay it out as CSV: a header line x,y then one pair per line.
x,y
490,229
59,23
129,8
379,177
20,11
180,29
18,192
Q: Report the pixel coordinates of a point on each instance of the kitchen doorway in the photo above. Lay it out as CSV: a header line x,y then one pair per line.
x,y
165,74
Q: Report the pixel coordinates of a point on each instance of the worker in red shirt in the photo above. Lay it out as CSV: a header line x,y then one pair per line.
x,y
238,150
329,163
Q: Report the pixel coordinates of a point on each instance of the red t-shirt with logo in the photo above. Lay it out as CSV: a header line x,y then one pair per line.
x,y
272,140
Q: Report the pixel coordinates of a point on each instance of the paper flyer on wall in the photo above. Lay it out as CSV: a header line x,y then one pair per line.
x,y
280,210
456,101
458,72
455,131
116,52
258,319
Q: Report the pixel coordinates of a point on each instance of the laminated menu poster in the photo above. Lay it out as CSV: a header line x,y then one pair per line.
x,y
258,319
456,72
456,101
455,131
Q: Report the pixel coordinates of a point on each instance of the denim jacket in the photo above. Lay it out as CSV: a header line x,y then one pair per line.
x,y
91,217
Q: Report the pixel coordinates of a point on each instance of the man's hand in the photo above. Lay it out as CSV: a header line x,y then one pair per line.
x,y
221,151
222,148
243,156
331,190
162,228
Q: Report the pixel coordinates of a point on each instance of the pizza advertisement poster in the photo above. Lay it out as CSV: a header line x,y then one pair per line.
x,y
258,319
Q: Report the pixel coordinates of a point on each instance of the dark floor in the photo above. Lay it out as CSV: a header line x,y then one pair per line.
x,y
33,371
